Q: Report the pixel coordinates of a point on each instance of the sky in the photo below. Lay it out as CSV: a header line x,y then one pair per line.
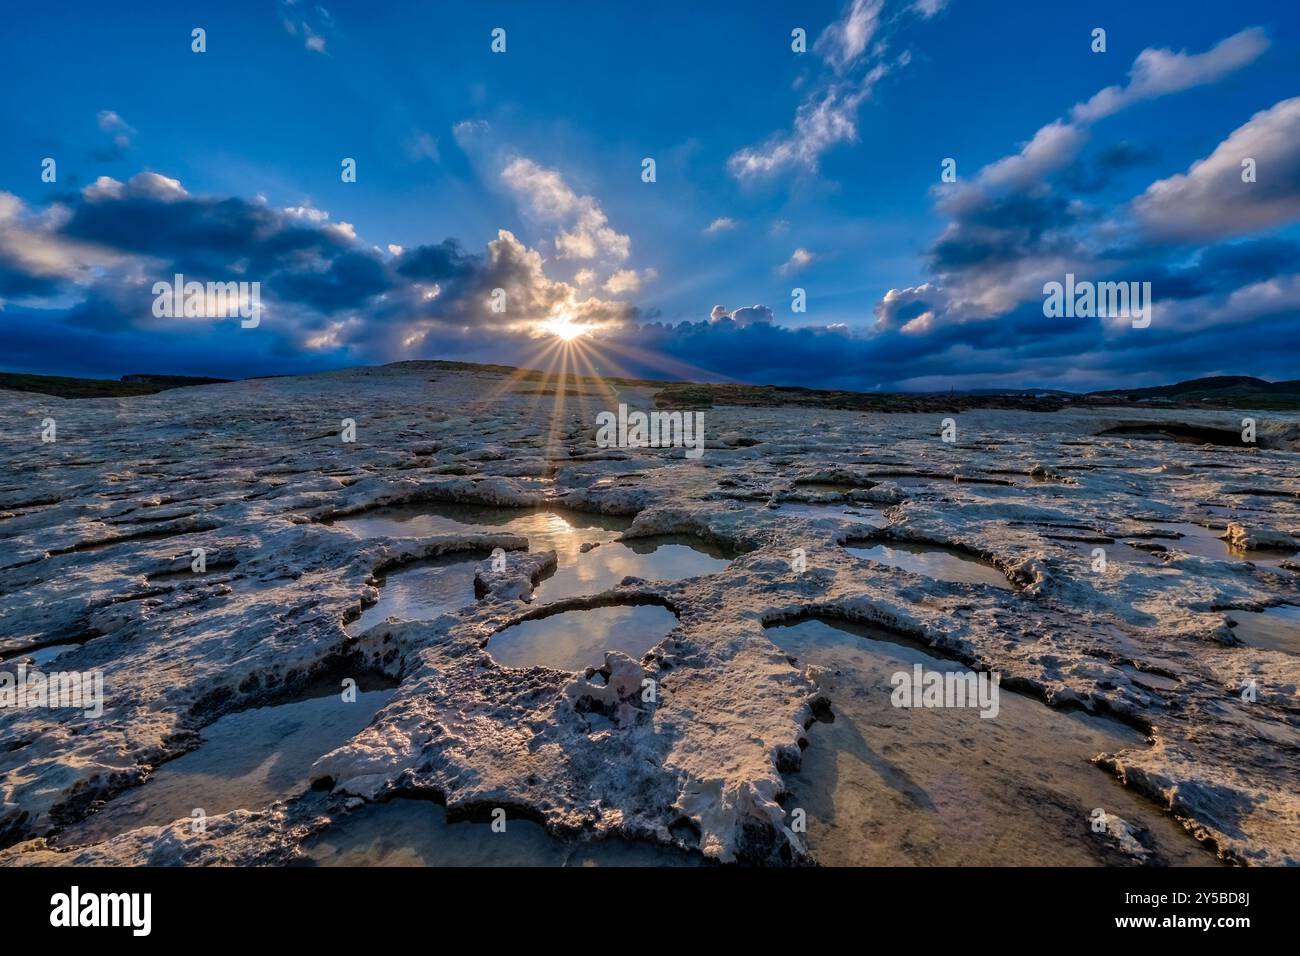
x,y
798,227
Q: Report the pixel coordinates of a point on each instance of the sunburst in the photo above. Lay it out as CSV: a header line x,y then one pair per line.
x,y
565,329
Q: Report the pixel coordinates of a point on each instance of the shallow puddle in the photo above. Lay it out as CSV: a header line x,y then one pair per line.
x,y
1274,628
660,558
1206,543
934,561
892,786
407,832
562,531
247,760
574,640
41,656
421,591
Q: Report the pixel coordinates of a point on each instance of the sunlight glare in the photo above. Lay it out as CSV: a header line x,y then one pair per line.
x,y
565,328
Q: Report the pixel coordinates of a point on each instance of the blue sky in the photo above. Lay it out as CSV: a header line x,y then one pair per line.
x,y
775,171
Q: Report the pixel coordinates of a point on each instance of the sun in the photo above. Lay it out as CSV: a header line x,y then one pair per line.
x,y
565,329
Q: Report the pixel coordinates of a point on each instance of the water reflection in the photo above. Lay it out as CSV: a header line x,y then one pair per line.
x,y
573,640
661,558
884,785
1274,628
934,561
407,832
247,760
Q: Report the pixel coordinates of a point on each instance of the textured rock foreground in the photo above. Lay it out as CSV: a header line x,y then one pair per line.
x,y
98,529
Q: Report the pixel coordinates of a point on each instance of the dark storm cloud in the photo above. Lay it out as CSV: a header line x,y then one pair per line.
x,y
350,280
436,263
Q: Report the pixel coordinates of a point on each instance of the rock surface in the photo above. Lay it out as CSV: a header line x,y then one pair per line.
x,y
99,531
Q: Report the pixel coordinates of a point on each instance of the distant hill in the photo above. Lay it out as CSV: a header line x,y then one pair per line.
x,y
66,387
1217,391
1222,391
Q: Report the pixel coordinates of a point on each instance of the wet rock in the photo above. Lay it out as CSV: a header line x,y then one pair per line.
x,y
1256,538
252,471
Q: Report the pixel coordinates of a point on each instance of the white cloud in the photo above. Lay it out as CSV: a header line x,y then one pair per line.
x,y
1158,73
822,121
800,258
312,40
585,230
1154,73
466,132
145,185
308,212
109,122
626,281
929,8
1052,147
845,40
746,316
1210,201
721,224
33,244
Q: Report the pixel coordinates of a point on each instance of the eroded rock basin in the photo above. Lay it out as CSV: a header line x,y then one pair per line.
x,y
1205,542
659,558
247,760
562,531
933,561
573,640
409,832
422,590
1274,628
589,559
884,785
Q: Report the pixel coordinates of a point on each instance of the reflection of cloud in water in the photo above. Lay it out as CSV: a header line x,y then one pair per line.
x,y
407,832
247,760
934,561
1274,628
654,559
891,786
572,640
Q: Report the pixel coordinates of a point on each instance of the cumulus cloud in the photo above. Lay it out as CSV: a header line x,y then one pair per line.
x,y
721,224
1052,147
748,315
585,230
1212,201
1014,226
626,281
1154,73
36,259
324,289
909,310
